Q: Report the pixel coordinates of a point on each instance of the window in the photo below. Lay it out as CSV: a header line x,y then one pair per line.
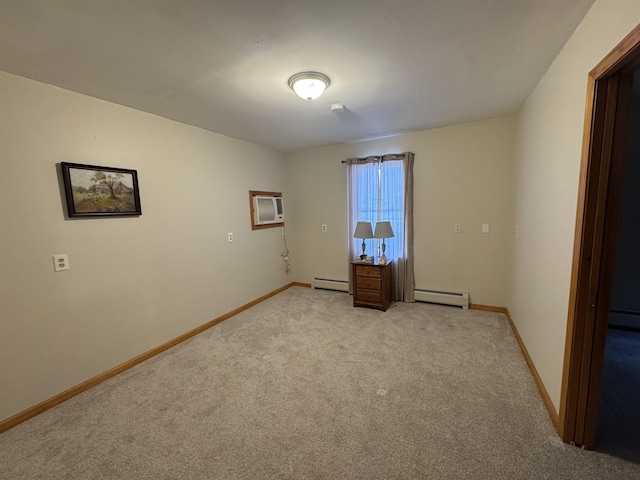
x,y
381,189
378,195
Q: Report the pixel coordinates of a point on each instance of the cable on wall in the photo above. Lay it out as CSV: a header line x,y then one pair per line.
x,y
285,254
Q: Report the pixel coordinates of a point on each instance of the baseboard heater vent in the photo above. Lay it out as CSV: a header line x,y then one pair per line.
x,y
330,284
458,299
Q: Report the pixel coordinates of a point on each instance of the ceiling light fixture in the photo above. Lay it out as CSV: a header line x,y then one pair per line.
x,y
309,85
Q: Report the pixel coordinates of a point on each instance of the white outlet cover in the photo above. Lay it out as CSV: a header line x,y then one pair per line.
x,y
485,228
61,262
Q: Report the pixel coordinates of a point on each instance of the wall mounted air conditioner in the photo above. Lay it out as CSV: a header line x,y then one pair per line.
x,y
267,209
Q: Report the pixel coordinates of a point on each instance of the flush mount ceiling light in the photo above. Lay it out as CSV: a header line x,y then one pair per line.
x,y
309,85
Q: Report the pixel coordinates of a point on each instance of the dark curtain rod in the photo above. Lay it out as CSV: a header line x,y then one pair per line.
x,y
376,158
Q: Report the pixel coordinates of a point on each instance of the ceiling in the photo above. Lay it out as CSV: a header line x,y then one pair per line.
x,y
397,65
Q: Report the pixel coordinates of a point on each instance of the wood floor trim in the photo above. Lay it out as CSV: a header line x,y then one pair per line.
x,y
98,379
553,413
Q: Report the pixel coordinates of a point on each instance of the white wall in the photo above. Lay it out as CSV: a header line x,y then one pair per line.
x,y
462,174
134,283
547,171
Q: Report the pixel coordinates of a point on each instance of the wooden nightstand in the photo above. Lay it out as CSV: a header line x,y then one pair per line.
x,y
372,285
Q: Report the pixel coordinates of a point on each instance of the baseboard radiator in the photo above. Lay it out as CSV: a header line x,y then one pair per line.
x,y
330,284
458,299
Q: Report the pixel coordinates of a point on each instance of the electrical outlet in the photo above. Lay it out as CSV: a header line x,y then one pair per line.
x,y
61,262
230,237
485,228
324,228
457,228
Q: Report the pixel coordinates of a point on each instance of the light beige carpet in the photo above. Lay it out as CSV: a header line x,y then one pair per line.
x,y
304,386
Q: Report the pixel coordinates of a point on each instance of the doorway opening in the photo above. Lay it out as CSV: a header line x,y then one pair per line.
x,y
618,429
600,194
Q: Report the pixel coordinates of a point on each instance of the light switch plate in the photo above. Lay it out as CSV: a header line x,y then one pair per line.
x,y
485,228
61,262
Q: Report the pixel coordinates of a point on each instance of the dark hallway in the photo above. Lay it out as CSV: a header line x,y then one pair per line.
x,y
619,416
618,430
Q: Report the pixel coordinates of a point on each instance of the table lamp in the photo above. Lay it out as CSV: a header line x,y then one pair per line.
x,y
383,230
363,231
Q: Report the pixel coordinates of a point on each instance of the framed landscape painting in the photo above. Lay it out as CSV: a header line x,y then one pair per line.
x,y
94,191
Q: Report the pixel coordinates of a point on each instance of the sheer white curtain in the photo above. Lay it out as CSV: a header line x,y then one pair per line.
x,y
381,189
391,206
363,185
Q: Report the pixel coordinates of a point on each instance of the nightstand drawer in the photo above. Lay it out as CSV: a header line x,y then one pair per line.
x,y
369,296
368,271
369,283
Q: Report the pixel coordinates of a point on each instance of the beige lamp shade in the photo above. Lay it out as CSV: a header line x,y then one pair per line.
x,y
363,230
383,230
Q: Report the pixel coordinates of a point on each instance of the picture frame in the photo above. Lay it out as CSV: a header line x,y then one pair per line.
x,y
96,191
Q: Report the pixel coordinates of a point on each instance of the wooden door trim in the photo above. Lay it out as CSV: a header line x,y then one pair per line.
x,y
577,418
622,55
